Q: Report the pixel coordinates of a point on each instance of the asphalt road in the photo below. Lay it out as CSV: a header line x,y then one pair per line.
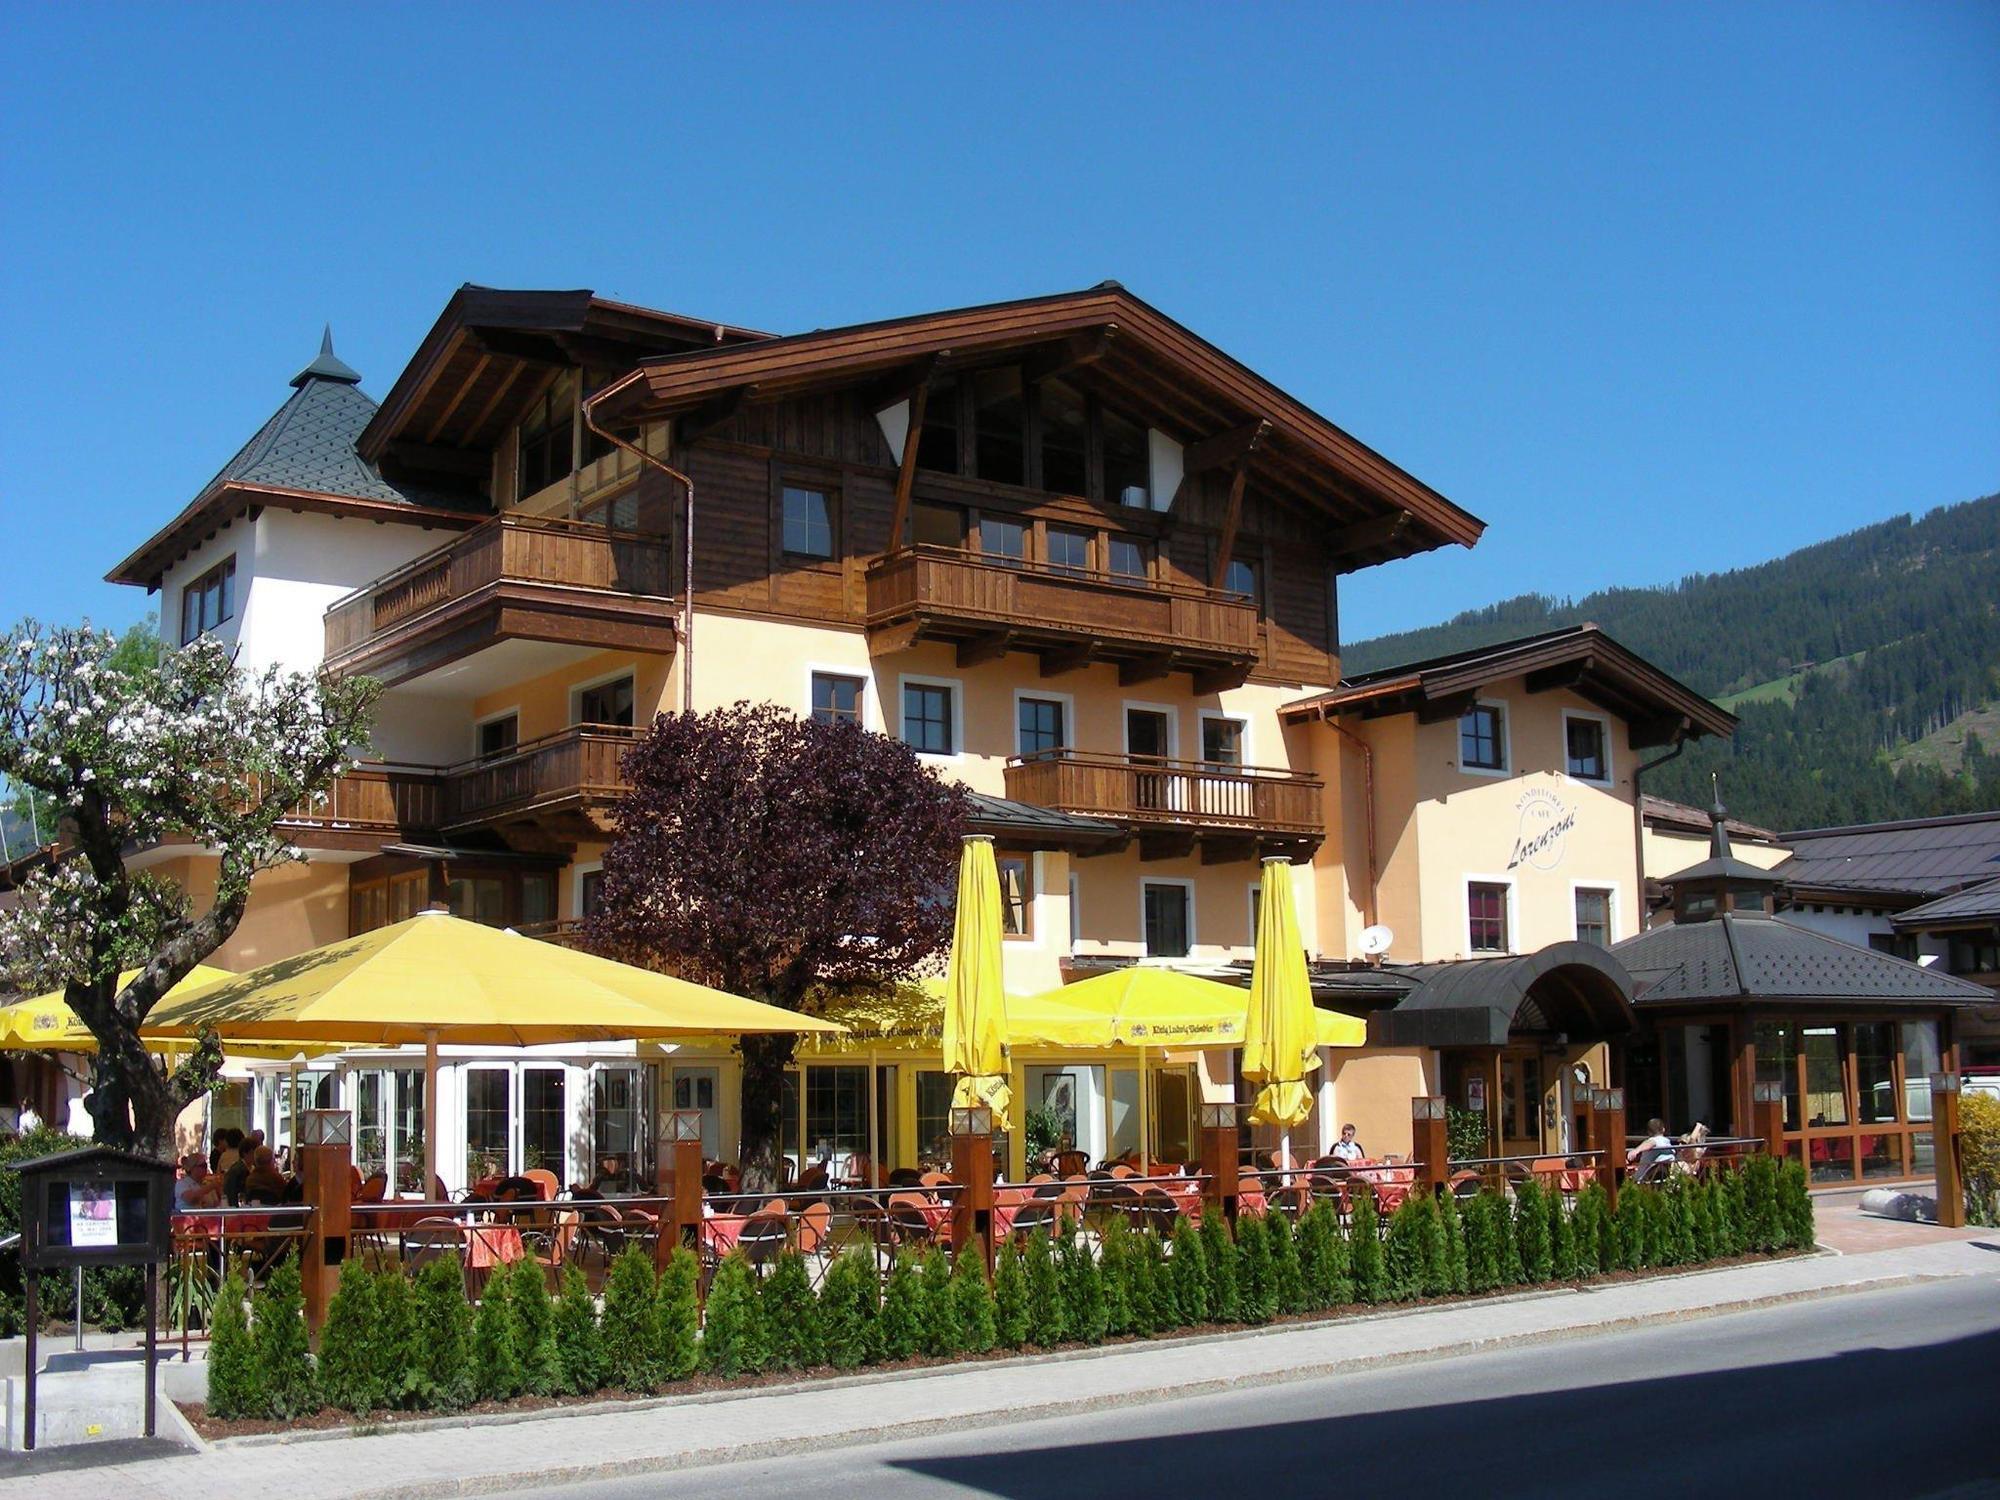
x,y
1889,1394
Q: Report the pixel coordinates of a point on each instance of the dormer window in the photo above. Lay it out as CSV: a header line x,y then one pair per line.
x,y
208,600
1588,752
1482,738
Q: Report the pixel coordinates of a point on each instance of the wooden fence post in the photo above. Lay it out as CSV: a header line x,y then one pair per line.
x,y
1944,1150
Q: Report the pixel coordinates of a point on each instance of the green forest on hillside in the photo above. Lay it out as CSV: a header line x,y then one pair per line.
x,y
1845,653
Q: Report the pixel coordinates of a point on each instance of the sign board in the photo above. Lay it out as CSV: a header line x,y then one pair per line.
x,y
94,1207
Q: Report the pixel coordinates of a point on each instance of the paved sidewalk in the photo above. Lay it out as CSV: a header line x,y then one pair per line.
x,y
485,1455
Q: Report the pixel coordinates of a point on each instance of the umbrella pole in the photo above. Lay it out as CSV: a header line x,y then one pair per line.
x,y
430,1111
1145,1118
874,1124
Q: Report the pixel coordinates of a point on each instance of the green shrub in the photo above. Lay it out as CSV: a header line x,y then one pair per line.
x,y
232,1366
734,1341
902,1322
1795,1208
496,1364
1763,1222
1677,1223
677,1316
627,1331
287,1386
579,1347
1318,1237
1451,1224
943,1334
1219,1258
1403,1251
1187,1267
1595,1246
1254,1268
394,1351
1484,1220
1505,1245
1633,1223
534,1327
1436,1279
350,1374
1562,1238
1364,1249
1013,1318
1167,1313
848,1309
441,1330
1287,1276
791,1316
971,1298
1083,1290
1978,1157
1531,1232
1732,1217
1048,1307
1114,1270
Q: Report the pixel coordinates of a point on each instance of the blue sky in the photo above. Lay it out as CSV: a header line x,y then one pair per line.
x,y
1651,289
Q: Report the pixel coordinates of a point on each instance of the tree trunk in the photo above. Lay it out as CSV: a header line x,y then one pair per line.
x,y
131,1102
765,1059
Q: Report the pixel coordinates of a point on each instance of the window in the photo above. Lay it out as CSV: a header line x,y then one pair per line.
x,y
1222,741
209,600
1069,551
836,1111
498,736
1593,916
1000,426
836,699
1167,921
934,1116
1895,944
927,716
1486,906
1065,439
937,444
1004,539
1016,891
619,1113
548,437
1481,738
538,898
937,525
1974,955
1128,558
545,1121
606,703
1039,725
1585,740
481,899
1241,579
1127,462
590,893
808,522
488,1114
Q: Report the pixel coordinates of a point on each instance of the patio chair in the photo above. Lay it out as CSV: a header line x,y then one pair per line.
x,y
763,1238
1034,1214
545,1180
1070,1164
910,1216
433,1239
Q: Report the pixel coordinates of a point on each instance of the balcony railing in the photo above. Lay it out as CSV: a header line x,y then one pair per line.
x,y
947,592
375,798
548,557
578,765
1144,791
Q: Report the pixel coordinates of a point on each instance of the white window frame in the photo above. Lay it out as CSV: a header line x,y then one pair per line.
x,y
1473,878
515,713
1173,724
1603,721
871,709
1506,766
1611,906
956,685
1186,883
1068,702
578,689
1033,936
1202,716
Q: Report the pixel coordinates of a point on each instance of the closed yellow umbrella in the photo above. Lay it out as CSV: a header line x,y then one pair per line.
x,y
1280,1046
975,1003
437,977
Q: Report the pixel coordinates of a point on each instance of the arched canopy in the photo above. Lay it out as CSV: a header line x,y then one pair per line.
x,y
1577,990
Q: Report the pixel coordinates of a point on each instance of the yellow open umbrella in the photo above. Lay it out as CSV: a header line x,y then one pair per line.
x,y
436,977
1280,1045
975,1005
1143,1005
45,1023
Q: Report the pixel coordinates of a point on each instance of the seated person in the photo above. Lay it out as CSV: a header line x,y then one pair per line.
x,y
264,1183
1655,1150
238,1171
196,1188
611,1177
1347,1148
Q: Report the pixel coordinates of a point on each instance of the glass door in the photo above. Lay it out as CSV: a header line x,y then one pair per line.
x,y
1149,742
698,1088
620,1139
544,1121
489,1117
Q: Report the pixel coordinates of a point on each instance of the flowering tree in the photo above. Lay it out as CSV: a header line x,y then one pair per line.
x,y
128,754
778,858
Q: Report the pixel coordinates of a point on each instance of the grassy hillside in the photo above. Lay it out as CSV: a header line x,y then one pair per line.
x,y
1865,669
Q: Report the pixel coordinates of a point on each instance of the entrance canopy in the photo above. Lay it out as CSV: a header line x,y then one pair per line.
x,y
1577,990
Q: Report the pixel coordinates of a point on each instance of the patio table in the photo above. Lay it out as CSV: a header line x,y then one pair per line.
x,y
492,1244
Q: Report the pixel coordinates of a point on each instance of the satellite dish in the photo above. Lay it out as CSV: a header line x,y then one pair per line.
x,y
1376,940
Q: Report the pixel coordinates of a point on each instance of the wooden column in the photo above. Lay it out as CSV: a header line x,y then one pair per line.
x,y
1430,1142
677,1178
1608,1125
1944,1150
1218,1160
1767,1116
329,1193
972,1170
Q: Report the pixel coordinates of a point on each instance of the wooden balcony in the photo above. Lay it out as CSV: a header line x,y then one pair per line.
x,y
1068,616
512,578
372,804
564,782
1175,806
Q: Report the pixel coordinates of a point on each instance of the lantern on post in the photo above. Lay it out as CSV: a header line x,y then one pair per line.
x,y
678,1172
326,1160
1608,1105
1430,1140
1218,1158
1944,1150
1767,1115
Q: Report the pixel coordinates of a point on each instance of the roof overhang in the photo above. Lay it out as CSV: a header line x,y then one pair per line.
x,y
223,504
1125,351
1658,709
1577,990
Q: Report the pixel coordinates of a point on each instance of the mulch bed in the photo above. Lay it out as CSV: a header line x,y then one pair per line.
x,y
211,1428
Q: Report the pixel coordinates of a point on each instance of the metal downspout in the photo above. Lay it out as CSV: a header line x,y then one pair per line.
x,y
1639,821
1368,805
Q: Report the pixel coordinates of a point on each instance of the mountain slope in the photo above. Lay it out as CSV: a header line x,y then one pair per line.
x,y
1839,658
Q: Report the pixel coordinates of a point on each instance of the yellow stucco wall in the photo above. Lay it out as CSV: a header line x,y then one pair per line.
x,y
1668,851
291,908
544,702
1372,1091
